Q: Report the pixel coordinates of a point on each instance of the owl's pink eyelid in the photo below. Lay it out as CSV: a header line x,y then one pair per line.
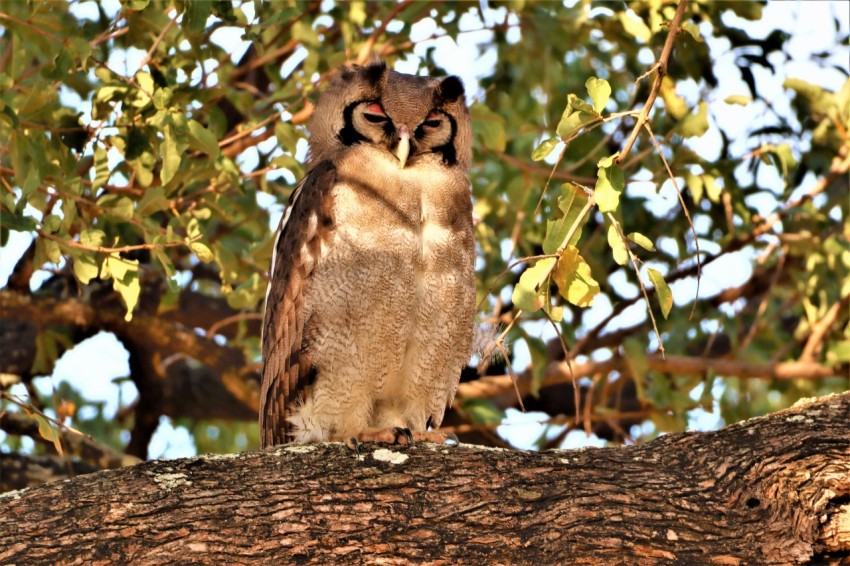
x,y
375,108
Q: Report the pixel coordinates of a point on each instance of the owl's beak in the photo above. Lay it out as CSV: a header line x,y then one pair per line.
x,y
402,151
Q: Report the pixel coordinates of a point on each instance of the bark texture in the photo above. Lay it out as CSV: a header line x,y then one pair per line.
x,y
771,490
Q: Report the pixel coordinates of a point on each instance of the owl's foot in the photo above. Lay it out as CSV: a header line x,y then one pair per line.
x,y
353,444
401,436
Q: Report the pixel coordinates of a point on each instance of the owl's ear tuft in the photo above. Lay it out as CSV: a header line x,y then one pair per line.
x,y
451,88
374,72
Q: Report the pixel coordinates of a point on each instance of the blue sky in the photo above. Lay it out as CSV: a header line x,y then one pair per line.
x,y
91,366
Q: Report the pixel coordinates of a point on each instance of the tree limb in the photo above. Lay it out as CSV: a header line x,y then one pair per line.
x,y
771,490
491,386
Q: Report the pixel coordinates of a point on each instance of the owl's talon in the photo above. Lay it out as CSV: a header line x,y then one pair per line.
x,y
405,432
354,445
451,440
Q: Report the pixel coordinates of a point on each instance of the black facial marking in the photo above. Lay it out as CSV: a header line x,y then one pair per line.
x,y
389,128
374,118
447,150
375,72
450,89
348,135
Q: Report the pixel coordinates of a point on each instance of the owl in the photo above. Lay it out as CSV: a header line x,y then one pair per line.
x,y
370,309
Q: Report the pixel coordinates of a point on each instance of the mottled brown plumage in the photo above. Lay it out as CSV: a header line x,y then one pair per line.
x,y
371,301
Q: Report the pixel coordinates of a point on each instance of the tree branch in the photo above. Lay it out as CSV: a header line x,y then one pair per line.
x,y
660,72
771,490
491,386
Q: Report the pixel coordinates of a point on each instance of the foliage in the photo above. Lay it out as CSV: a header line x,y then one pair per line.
x,y
147,158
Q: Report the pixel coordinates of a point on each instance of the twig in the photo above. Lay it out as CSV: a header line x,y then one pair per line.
x,y
820,329
215,328
149,55
685,210
32,27
366,50
762,308
634,260
661,71
105,250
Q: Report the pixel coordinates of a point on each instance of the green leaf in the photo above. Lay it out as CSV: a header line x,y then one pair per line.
x,y
838,352
784,160
577,114
135,4
695,185
18,222
539,362
642,241
81,48
574,278
86,266
618,246
145,91
47,432
46,251
153,201
609,186
51,223
357,12
635,27
93,238
195,16
543,150
693,30
117,205
489,127
60,66
202,251
571,202
599,91
525,295
193,229
170,155
162,98
11,116
204,138
125,280
712,189
740,99
101,168
247,294
482,411
675,104
695,125
662,291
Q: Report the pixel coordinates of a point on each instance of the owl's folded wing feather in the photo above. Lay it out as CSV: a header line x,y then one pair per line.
x,y
286,367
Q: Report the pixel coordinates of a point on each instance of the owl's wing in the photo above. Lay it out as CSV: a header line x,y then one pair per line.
x,y
286,358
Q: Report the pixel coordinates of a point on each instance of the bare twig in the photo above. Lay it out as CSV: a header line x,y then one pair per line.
x,y
684,209
149,55
661,71
366,50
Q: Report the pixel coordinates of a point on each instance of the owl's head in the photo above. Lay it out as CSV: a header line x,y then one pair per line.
x,y
412,117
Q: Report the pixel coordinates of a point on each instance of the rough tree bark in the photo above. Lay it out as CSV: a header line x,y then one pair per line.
x,y
771,490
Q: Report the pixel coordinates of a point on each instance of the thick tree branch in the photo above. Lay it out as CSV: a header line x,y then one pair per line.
x,y
771,490
492,386
162,336
99,455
